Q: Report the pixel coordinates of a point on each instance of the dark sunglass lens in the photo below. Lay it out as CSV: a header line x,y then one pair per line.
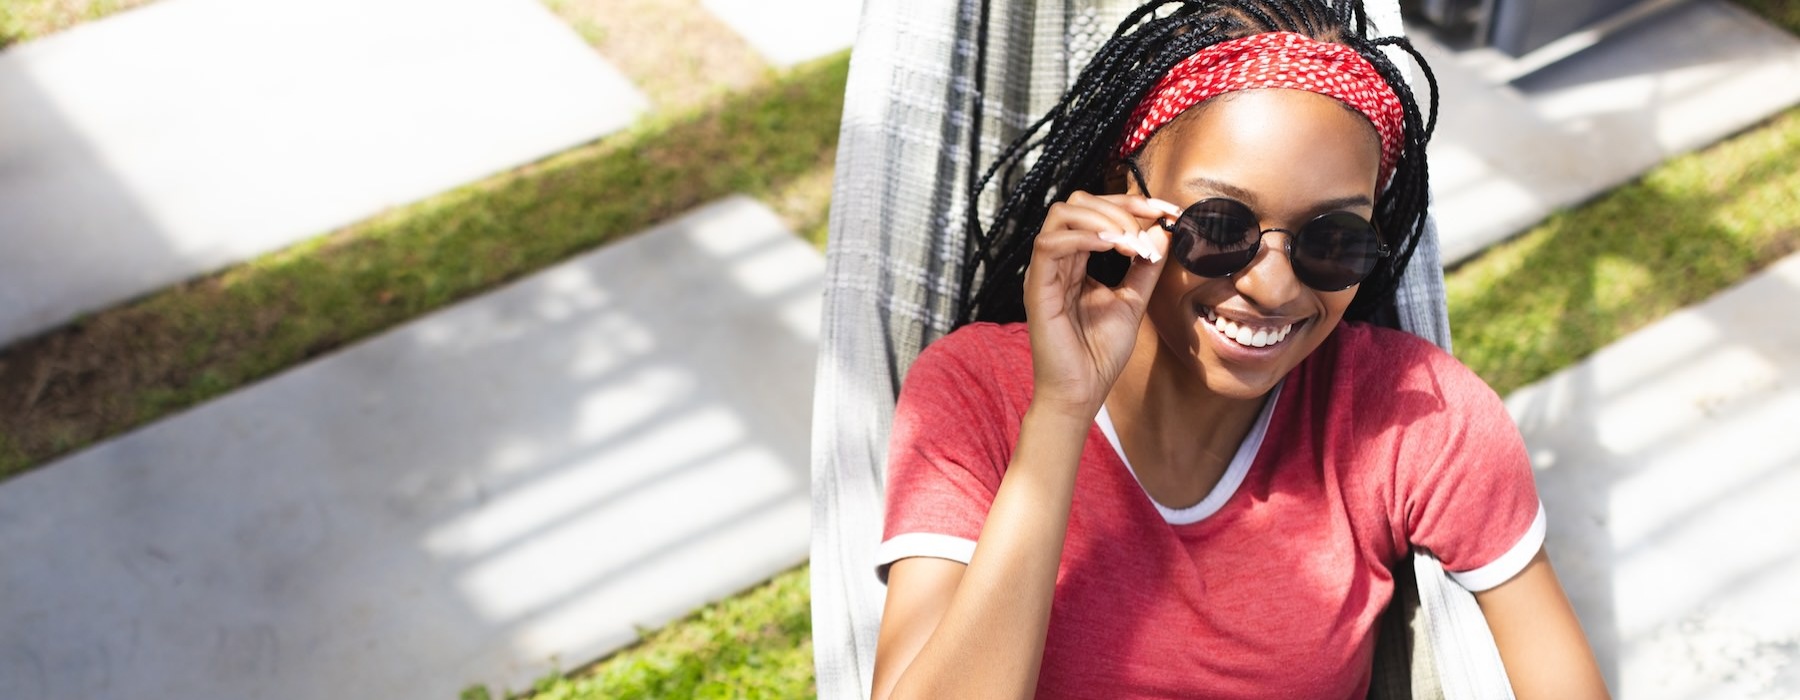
x,y
1336,251
1215,237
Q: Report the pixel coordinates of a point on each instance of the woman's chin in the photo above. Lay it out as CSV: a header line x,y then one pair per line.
x,y
1250,364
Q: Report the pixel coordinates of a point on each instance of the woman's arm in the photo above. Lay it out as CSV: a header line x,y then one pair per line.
x,y
1541,643
978,631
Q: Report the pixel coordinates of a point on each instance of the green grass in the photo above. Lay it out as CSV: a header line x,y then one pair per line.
x,y
187,344
757,645
1685,231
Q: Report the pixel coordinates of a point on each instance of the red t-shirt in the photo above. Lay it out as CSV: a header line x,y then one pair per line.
x,y
1273,584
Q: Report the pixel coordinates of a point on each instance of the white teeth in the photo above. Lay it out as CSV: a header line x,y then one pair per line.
x,y
1246,335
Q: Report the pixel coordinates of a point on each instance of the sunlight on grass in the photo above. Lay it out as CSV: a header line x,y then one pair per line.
x,y
1686,231
756,645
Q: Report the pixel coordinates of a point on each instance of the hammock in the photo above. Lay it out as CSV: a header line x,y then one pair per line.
x,y
911,123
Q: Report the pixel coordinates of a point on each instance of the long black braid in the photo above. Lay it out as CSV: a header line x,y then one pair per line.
x,y
1076,143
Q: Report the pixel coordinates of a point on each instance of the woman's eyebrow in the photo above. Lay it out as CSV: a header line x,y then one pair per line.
x,y
1349,202
1207,184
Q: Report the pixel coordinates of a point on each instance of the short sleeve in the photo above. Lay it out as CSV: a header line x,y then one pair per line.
x,y
949,446
1466,487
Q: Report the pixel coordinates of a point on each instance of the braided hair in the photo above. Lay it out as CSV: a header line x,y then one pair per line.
x,y
1076,143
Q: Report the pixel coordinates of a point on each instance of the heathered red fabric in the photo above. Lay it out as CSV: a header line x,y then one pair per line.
x,y
1378,442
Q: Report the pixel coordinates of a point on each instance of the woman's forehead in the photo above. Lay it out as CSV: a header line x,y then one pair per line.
x,y
1262,143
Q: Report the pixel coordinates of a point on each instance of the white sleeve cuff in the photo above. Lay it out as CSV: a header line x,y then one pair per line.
x,y
921,544
1509,564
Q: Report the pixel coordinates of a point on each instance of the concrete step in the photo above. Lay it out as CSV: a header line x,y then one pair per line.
x,y
1508,154
165,142
1669,463
526,477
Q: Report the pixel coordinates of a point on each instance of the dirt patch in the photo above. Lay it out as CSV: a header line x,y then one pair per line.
x,y
63,388
676,51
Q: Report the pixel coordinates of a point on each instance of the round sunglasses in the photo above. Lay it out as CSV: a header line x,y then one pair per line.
x,y
1219,236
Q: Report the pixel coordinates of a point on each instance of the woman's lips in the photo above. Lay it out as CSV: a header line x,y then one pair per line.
x,y
1248,335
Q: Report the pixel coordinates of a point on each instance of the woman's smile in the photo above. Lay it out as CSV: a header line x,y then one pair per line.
x,y
1250,333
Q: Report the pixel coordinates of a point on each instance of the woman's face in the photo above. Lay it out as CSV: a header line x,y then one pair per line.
x,y
1290,155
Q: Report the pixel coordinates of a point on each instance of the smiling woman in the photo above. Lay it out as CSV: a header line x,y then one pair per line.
x,y
1133,478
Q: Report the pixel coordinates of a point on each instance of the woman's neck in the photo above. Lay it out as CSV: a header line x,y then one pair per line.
x,y
1178,434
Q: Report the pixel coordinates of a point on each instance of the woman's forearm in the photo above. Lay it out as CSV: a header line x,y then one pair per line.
x,y
990,640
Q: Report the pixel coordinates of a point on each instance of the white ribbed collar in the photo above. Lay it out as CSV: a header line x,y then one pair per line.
x,y
1228,484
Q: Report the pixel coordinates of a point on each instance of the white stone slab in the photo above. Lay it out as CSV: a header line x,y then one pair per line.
x,y
527,476
787,32
1669,463
1508,155
170,140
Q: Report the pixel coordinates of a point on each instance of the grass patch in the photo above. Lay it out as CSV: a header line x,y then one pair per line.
x,y
125,366
1685,231
678,52
24,20
755,645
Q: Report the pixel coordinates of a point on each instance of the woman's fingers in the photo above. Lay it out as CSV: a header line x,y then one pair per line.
x,y
1122,220
1144,210
1140,278
1113,227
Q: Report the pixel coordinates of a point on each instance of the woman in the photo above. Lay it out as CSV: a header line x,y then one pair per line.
x,y
1193,479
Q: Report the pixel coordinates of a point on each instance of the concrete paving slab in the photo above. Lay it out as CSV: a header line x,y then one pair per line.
x,y
787,32
528,476
165,142
1669,463
1507,155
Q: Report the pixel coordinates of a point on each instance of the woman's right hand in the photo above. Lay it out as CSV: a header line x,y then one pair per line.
x,y
1082,332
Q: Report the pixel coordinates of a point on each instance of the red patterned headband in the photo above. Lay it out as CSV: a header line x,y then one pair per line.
x,y
1273,60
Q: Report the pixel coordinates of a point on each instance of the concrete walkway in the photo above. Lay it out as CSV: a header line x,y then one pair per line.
x,y
1509,154
527,477
1670,465
165,142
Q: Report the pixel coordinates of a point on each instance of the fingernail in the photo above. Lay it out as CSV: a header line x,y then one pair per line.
x,y
1147,243
1110,237
1166,208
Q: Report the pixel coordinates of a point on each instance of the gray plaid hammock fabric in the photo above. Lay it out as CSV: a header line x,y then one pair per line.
x,y
911,124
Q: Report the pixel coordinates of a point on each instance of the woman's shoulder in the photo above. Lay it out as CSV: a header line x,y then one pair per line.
x,y
978,353
991,346
1394,367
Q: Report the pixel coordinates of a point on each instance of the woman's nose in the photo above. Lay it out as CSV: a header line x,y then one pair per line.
x,y
1269,281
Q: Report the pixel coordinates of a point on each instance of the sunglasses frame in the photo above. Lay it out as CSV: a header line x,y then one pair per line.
x,y
1381,247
